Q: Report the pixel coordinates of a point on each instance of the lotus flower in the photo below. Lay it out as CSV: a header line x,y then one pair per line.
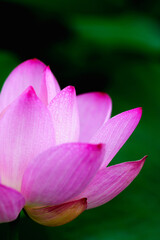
x,y
55,146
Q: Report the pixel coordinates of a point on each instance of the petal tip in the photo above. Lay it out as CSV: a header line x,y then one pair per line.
x,y
135,113
138,111
47,72
48,68
29,92
34,60
103,94
144,159
27,96
70,89
31,61
139,163
100,146
95,147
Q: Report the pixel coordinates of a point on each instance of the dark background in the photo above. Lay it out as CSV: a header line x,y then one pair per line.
x,y
111,46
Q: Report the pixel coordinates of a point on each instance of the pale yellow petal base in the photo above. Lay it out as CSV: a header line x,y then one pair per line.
x,y
56,215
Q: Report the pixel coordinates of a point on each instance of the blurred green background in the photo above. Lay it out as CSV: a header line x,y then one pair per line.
x,y
95,45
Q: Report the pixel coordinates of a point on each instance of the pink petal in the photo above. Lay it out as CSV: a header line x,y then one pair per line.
x,y
50,87
56,215
29,73
26,130
61,172
11,203
115,132
94,108
63,109
110,181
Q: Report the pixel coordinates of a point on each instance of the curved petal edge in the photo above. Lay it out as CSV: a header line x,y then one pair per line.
x,y
115,132
61,173
11,203
94,109
26,130
63,109
110,181
53,216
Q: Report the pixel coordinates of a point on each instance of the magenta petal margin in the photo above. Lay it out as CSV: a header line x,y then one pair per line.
x,y
110,181
26,130
115,132
11,203
64,112
55,146
70,167
98,107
